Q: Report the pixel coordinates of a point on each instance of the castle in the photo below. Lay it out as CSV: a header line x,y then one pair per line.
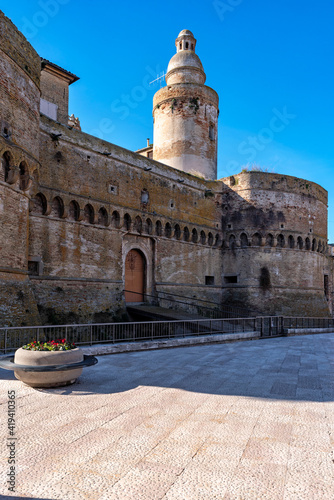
x,y
83,220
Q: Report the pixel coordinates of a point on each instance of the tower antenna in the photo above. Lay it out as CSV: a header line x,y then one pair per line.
x,y
159,78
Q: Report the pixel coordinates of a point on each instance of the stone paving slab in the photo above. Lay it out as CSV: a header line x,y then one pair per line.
x,y
240,421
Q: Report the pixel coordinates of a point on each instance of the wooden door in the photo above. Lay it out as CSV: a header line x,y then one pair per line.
x,y
134,276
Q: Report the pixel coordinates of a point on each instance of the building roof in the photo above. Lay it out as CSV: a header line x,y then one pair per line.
x,y
185,32
58,71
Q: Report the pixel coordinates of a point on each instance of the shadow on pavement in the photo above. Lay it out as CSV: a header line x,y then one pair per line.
x,y
294,368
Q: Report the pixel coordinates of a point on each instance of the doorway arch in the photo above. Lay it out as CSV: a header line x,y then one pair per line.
x,y
135,267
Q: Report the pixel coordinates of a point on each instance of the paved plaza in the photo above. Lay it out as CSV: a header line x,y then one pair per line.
x,y
235,421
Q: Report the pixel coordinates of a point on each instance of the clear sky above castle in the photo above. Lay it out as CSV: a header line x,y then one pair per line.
x,y
270,62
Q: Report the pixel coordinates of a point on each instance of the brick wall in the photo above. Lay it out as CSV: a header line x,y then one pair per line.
x,y
55,90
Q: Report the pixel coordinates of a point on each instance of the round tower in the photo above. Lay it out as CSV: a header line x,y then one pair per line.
x,y
186,114
275,244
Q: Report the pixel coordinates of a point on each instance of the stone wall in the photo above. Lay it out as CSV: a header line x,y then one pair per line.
x,y
19,50
19,147
94,203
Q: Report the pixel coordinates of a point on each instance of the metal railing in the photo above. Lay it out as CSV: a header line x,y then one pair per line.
x,y
14,337
271,326
299,323
11,338
191,305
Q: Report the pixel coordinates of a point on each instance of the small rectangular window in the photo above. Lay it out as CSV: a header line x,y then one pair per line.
x,y
112,189
49,109
209,280
232,278
33,268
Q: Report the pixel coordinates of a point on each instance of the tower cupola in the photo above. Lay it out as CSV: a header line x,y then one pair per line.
x,y
185,66
185,41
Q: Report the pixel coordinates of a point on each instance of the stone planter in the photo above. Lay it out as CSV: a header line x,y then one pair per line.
x,y
47,358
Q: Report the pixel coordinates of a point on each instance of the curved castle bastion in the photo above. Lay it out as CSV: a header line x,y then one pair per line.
x,y
20,68
275,252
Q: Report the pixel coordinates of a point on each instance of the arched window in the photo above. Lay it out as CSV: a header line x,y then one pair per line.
x,y
127,222
186,234
148,226
24,176
138,225
314,245
177,232
115,219
300,242
89,214
158,228
217,240
307,244
280,241
319,246
256,240
243,240
6,161
57,207
203,238
194,236
102,217
291,241
73,210
212,132
168,230
39,204
210,239
232,242
270,240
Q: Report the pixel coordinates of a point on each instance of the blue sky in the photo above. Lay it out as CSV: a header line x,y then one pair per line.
x,y
271,63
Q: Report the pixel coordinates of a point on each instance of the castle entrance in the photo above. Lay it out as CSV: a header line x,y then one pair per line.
x,y
134,276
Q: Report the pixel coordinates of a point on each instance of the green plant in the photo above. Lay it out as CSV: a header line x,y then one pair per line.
x,y
51,345
256,168
194,104
173,104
